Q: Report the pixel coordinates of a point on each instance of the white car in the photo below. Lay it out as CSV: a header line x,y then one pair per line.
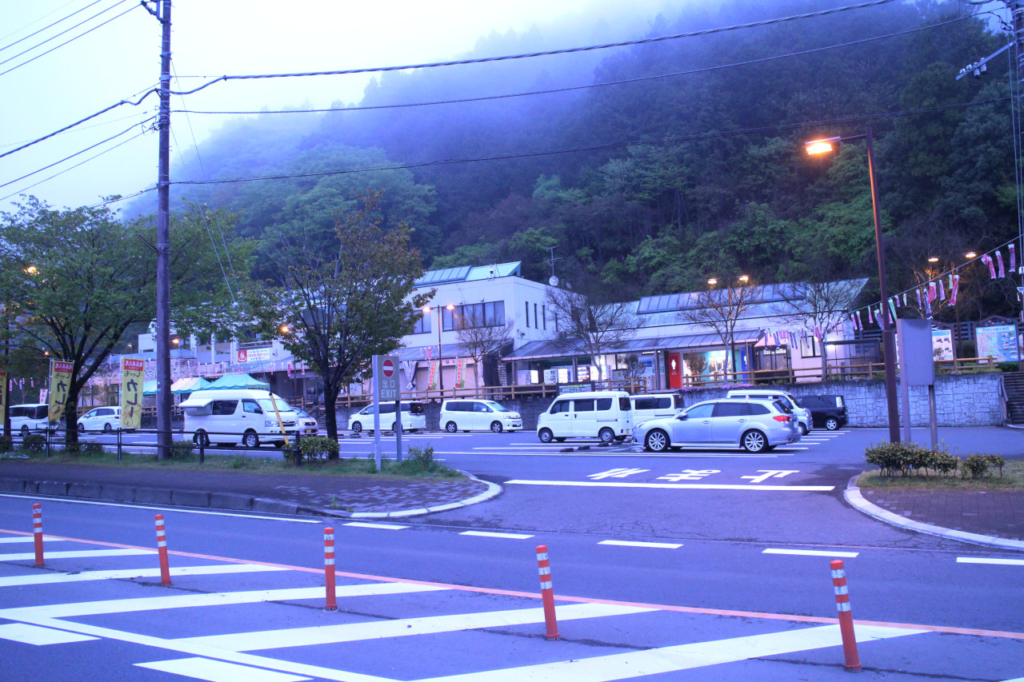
x,y
754,425
105,419
31,418
413,417
227,416
607,415
478,415
307,425
804,419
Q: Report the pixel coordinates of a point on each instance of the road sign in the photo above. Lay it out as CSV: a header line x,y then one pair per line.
x,y
386,376
389,367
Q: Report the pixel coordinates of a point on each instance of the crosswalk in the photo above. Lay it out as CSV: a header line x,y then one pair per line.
x,y
270,632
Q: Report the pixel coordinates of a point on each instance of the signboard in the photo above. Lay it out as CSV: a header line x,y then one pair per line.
x,y
385,373
133,375
255,355
914,349
550,376
60,381
432,376
575,388
942,344
460,373
999,341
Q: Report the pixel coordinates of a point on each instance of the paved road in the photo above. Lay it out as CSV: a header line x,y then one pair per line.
x,y
669,559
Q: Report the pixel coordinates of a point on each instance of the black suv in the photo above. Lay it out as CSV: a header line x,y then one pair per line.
x,y
827,411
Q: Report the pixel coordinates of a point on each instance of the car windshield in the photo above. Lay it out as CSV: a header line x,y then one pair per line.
x,y
302,413
496,407
268,405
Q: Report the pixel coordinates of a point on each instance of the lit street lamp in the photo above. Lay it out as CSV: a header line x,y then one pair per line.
x,y
888,334
440,365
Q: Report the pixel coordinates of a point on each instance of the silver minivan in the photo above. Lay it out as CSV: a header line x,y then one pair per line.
x,y
754,425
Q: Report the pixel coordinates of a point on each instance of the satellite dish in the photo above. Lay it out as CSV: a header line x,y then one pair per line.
x,y
553,281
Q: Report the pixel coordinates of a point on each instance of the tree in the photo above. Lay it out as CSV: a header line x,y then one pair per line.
x,y
480,337
583,321
81,277
335,309
721,309
818,305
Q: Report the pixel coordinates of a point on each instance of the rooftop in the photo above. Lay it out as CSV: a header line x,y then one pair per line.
x,y
468,273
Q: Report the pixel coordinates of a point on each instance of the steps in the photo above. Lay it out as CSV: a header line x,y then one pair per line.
x,y
1014,382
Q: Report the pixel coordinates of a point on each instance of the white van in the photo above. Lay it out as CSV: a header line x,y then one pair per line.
x,y
606,415
31,418
656,406
478,415
230,416
803,415
414,417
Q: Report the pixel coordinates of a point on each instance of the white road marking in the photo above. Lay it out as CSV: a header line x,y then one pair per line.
x,y
487,534
126,574
77,554
168,509
621,453
812,552
384,629
96,608
627,543
674,658
679,486
985,560
33,634
218,671
379,526
27,538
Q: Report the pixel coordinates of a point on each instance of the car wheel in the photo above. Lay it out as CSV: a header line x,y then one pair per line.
x,y
754,441
831,423
24,431
251,440
201,439
451,427
107,428
357,427
278,443
81,428
656,441
803,430
606,435
546,436
496,427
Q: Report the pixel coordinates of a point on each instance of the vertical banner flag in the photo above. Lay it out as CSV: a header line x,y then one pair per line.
x,y
953,288
1013,258
892,308
460,373
132,379
999,257
942,291
432,376
987,260
871,316
60,381
3,392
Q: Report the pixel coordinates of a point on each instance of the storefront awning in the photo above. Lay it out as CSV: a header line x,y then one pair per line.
x,y
543,350
448,350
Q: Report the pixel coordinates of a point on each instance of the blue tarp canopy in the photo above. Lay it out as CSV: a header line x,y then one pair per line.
x,y
238,381
149,387
189,385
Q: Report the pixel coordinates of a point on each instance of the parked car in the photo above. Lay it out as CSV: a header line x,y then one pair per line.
x,y
31,418
803,415
413,417
306,424
227,417
100,419
828,411
754,425
655,406
607,415
478,415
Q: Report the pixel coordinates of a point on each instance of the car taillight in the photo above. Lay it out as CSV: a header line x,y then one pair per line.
x,y
782,418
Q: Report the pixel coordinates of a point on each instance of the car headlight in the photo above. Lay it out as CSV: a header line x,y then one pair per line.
x,y
269,423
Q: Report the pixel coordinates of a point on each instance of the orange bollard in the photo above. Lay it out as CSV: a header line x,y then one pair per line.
x,y
37,531
331,604
161,545
845,617
546,593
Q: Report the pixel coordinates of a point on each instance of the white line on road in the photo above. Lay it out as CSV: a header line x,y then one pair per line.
x,y
674,658
167,509
619,453
811,552
77,554
33,634
217,671
627,543
379,526
985,560
127,574
680,486
385,629
27,538
487,534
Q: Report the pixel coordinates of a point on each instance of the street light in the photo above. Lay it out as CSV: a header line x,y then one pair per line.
x,y
31,270
970,254
933,259
440,365
712,282
744,279
888,335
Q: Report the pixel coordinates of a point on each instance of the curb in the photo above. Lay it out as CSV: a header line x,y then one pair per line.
x,y
853,496
493,490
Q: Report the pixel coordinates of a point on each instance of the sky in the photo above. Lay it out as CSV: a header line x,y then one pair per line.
x,y
121,60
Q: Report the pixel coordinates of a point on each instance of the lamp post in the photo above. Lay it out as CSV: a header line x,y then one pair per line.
x,y
440,367
888,334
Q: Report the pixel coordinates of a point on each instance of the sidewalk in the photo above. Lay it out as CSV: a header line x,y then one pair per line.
x,y
367,497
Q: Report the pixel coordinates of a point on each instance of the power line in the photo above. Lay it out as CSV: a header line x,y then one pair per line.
x,y
79,152
136,115
530,55
32,23
69,40
62,19
640,79
610,145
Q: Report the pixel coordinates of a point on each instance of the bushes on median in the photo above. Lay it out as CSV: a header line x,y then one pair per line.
x,y
909,459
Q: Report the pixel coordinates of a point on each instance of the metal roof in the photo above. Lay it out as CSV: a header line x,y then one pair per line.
x,y
443,276
761,295
468,273
539,350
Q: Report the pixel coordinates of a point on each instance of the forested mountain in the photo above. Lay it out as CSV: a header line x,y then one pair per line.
x,y
695,168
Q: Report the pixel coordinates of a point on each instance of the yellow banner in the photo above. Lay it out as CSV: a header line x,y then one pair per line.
x,y
132,380
60,382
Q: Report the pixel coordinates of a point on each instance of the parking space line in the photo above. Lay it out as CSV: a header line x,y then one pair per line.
x,y
379,526
652,545
486,534
812,552
992,561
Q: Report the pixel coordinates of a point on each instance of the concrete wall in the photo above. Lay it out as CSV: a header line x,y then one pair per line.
x,y
966,400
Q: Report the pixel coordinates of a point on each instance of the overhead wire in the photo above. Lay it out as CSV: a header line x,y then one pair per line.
x,y
544,53
136,115
36,21
48,26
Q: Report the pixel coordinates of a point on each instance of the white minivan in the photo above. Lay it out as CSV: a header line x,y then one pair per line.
x,y
478,415
31,419
803,415
606,415
414,417
227,417
656,406
104,419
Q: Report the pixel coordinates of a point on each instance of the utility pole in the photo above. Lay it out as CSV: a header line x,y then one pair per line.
x,y
163,239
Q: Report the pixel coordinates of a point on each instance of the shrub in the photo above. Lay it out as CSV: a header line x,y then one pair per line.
x,y
6,443
996,461
888,457
181,448
908,458
975,465
944,463
318,447
1008,366
34,442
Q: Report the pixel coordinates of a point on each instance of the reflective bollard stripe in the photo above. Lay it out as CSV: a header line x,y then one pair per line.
x,y
330,603
161,545
842,592
37,529
546,593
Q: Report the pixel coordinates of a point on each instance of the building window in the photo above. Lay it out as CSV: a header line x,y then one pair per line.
x,y
535,322
422,324
544,316
527,314
809,347
473,315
